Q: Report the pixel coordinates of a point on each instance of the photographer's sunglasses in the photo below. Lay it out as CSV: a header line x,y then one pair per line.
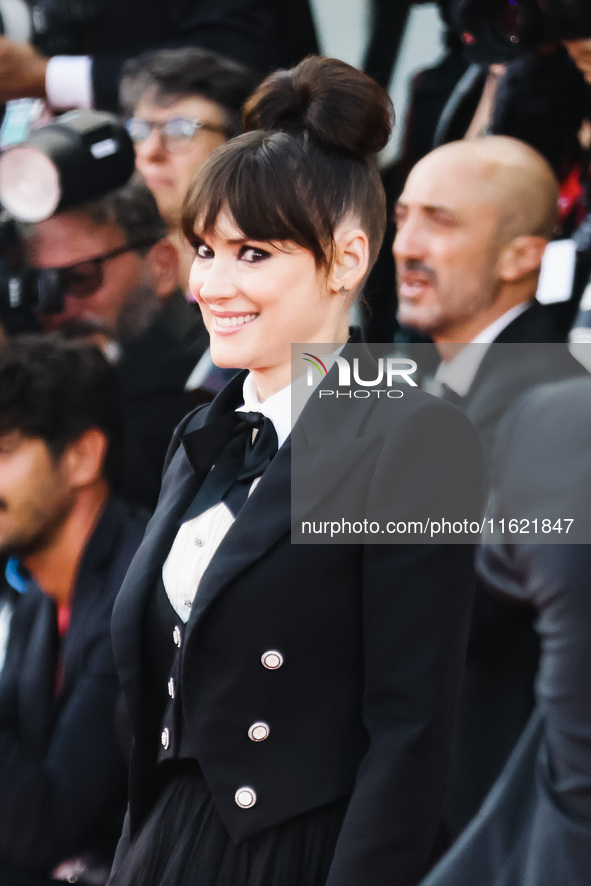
x,y
177,135
81,279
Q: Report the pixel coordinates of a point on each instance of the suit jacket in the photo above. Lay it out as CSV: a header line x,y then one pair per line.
x,y
497,695
62,770
258,33
372,637
528,352
534,829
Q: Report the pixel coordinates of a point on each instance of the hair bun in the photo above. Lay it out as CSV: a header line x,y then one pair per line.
x,y
337,105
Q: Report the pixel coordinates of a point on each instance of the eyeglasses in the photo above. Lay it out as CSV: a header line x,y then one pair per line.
x,y
80,279
177,134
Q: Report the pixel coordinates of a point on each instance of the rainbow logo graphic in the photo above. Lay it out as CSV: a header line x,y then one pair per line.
x,y
316,362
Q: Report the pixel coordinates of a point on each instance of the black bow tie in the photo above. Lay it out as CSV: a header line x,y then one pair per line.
x,y
245,456
259,447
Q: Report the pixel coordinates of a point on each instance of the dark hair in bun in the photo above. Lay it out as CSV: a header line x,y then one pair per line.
x,y
338,106
308,161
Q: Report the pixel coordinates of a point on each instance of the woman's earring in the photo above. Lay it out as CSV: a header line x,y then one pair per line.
x,y
342,291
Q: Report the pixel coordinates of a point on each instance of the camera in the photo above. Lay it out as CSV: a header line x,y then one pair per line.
x,y
23,294
73,159
498,30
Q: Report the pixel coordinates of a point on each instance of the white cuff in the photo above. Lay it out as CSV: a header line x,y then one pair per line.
x,y
68,82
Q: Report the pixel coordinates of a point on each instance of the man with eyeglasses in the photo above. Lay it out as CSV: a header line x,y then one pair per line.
x,y
180,105
110,273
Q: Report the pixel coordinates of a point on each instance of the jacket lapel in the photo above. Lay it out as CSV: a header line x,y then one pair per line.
x,y
178,491
316,460
328,442
263,520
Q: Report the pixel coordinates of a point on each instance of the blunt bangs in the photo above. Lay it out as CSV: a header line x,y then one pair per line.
x,y
263,181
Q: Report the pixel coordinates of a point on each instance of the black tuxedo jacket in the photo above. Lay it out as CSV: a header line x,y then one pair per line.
x,y
372,639
62,770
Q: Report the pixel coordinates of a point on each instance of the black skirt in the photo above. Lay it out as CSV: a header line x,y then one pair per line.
x,y
185,843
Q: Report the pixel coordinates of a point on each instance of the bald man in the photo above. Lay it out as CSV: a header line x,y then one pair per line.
x,y
473,222
472,225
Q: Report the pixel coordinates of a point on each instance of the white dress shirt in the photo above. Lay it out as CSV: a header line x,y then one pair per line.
x,y
459,373
198,539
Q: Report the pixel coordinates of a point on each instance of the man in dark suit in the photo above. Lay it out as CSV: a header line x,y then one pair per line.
x,y
118,274
473,222
67,541
80,48
535,825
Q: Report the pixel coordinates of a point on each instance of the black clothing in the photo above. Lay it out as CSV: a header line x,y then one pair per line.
x,y
508,371
62,768
258,33
185,816
497,695
153,371
350,653
534,829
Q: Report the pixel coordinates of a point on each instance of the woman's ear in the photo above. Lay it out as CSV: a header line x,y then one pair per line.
x,y
350,260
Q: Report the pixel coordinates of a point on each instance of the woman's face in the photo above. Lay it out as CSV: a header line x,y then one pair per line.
x,y
257,298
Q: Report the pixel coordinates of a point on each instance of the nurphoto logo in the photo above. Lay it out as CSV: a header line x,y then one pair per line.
x,y
385,371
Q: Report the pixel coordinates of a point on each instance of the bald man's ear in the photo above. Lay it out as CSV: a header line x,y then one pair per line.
x,y
521,257
163,262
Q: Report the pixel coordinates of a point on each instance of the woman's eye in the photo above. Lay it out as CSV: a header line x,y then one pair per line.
x,y
253,255
202,250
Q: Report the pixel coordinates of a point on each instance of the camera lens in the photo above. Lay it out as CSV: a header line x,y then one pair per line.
x,y
496,30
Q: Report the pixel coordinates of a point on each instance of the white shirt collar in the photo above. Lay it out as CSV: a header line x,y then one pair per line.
x,y
277,407
283,407
459,373
494,329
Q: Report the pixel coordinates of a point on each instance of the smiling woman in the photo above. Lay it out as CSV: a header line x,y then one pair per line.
x,y
259,297
291,706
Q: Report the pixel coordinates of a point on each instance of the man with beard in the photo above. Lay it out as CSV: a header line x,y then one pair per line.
x,y
118,275
67,542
